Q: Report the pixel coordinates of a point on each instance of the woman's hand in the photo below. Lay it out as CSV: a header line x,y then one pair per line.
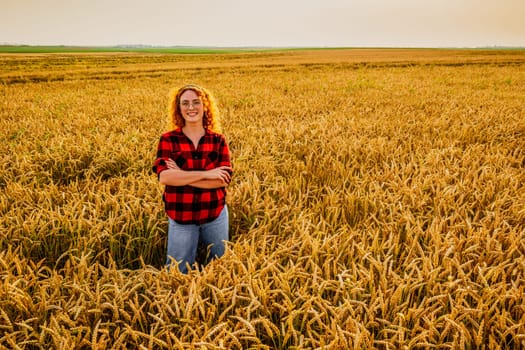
x,y
222,173
171,164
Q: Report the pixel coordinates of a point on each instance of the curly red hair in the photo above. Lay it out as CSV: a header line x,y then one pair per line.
x,y
210,119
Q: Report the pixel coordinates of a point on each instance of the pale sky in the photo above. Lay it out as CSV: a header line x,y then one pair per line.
x,y
226,23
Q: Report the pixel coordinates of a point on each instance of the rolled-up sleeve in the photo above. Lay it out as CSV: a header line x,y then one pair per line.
x,y
224,153
163,154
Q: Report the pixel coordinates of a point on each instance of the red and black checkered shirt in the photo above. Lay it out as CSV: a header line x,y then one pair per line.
x,y
187,204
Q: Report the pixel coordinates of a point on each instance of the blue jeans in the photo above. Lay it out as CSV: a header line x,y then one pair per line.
x,y
183,240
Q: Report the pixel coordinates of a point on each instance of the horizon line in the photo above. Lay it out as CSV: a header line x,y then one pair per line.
x,y
153,46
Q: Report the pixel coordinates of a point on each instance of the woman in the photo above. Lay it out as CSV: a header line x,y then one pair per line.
x,y
193,162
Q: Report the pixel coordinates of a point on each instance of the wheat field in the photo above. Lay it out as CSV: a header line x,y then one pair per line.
x,y
378,202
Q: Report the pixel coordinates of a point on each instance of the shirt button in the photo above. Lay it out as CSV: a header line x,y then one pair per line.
x,y
195,156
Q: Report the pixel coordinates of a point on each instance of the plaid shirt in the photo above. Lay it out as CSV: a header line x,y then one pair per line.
x,y
187,204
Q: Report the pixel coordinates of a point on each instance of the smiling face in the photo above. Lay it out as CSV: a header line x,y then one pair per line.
x,y
184,108
191,107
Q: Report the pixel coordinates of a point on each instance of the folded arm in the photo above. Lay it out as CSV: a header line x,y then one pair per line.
x,y
209,184
214,178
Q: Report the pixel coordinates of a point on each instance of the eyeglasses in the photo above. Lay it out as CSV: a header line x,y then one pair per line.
x,y
187,104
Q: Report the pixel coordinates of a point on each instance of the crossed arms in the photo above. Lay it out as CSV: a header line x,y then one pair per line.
x,y
214,178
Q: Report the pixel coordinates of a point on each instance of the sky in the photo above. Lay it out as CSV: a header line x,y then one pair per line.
x,y
267,23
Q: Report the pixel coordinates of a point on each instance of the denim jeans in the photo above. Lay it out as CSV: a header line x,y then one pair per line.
x,y
183,240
